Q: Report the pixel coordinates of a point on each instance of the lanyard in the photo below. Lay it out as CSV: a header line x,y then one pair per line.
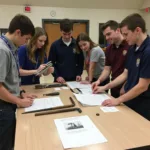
x,y
13,53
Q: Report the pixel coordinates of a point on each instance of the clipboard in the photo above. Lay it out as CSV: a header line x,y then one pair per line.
x,y
48,65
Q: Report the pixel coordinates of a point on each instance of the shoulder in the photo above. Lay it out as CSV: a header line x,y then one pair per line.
x,y
125,45
4,50
97,49
55,43
147,50
109,48
22,48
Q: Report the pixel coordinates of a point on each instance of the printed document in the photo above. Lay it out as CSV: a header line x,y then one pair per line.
x,y
78,131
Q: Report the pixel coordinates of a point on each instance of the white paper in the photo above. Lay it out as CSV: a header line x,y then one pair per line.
x,y
91,99
44,103
78,131
109,109
65,88
57,89
75,84
86,91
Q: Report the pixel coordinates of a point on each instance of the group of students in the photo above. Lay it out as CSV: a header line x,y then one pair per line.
x,y
127,60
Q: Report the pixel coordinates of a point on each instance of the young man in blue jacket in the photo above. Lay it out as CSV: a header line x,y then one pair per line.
x,y
68,64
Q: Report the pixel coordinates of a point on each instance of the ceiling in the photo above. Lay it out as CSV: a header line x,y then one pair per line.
x,y
97,4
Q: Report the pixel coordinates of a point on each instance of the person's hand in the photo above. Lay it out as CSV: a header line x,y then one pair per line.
x,y
60,80
99,89
95,84
87,78
78,78
85,82
25,102
42,66
28,95
111,102
51,69
122,91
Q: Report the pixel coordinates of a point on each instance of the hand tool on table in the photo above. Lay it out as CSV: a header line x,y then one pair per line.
x,y
59,111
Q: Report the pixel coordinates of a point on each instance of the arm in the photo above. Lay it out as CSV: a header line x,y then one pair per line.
x,y
107,69
119,80
24,72
91,70
122,91
138,89
105,74
7,96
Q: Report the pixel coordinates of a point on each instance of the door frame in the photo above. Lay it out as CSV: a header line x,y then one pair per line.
x,y
73,20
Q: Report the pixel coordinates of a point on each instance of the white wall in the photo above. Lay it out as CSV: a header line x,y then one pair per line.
x,y
146,17
95,16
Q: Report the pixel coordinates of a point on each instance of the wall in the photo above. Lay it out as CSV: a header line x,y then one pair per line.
x,y
146,17
95,16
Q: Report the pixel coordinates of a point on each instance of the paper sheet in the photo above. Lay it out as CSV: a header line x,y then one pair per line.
x,y
65,88
75,84
57,89
78,131
86,91
91,99
109,109
44,103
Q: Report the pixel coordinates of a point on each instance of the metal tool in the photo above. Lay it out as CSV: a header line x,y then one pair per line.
x,y
43,86
58,111
51,94
54,108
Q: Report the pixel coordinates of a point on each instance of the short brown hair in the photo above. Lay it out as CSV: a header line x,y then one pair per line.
x,y
23,23
112,24
66,25
133,21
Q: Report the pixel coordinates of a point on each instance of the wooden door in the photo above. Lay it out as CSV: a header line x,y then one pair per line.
x,y
53,31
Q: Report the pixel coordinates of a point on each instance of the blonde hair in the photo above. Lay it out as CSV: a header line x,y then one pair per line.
x,y
31,45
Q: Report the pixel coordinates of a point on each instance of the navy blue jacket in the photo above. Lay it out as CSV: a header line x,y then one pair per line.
x,y
67,63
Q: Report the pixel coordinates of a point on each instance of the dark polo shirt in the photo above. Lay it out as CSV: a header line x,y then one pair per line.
x,y
138,66
116,58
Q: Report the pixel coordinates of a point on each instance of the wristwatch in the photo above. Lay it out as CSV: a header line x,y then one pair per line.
x,y
22,91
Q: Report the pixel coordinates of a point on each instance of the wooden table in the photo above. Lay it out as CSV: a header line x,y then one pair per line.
x,y
124,129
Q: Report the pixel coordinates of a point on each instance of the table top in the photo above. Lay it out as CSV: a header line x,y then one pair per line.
x,y
123,130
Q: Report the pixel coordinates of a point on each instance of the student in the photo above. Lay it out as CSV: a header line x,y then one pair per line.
x,y
94,57
137,70
32,57
115,55
20,30
68,65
